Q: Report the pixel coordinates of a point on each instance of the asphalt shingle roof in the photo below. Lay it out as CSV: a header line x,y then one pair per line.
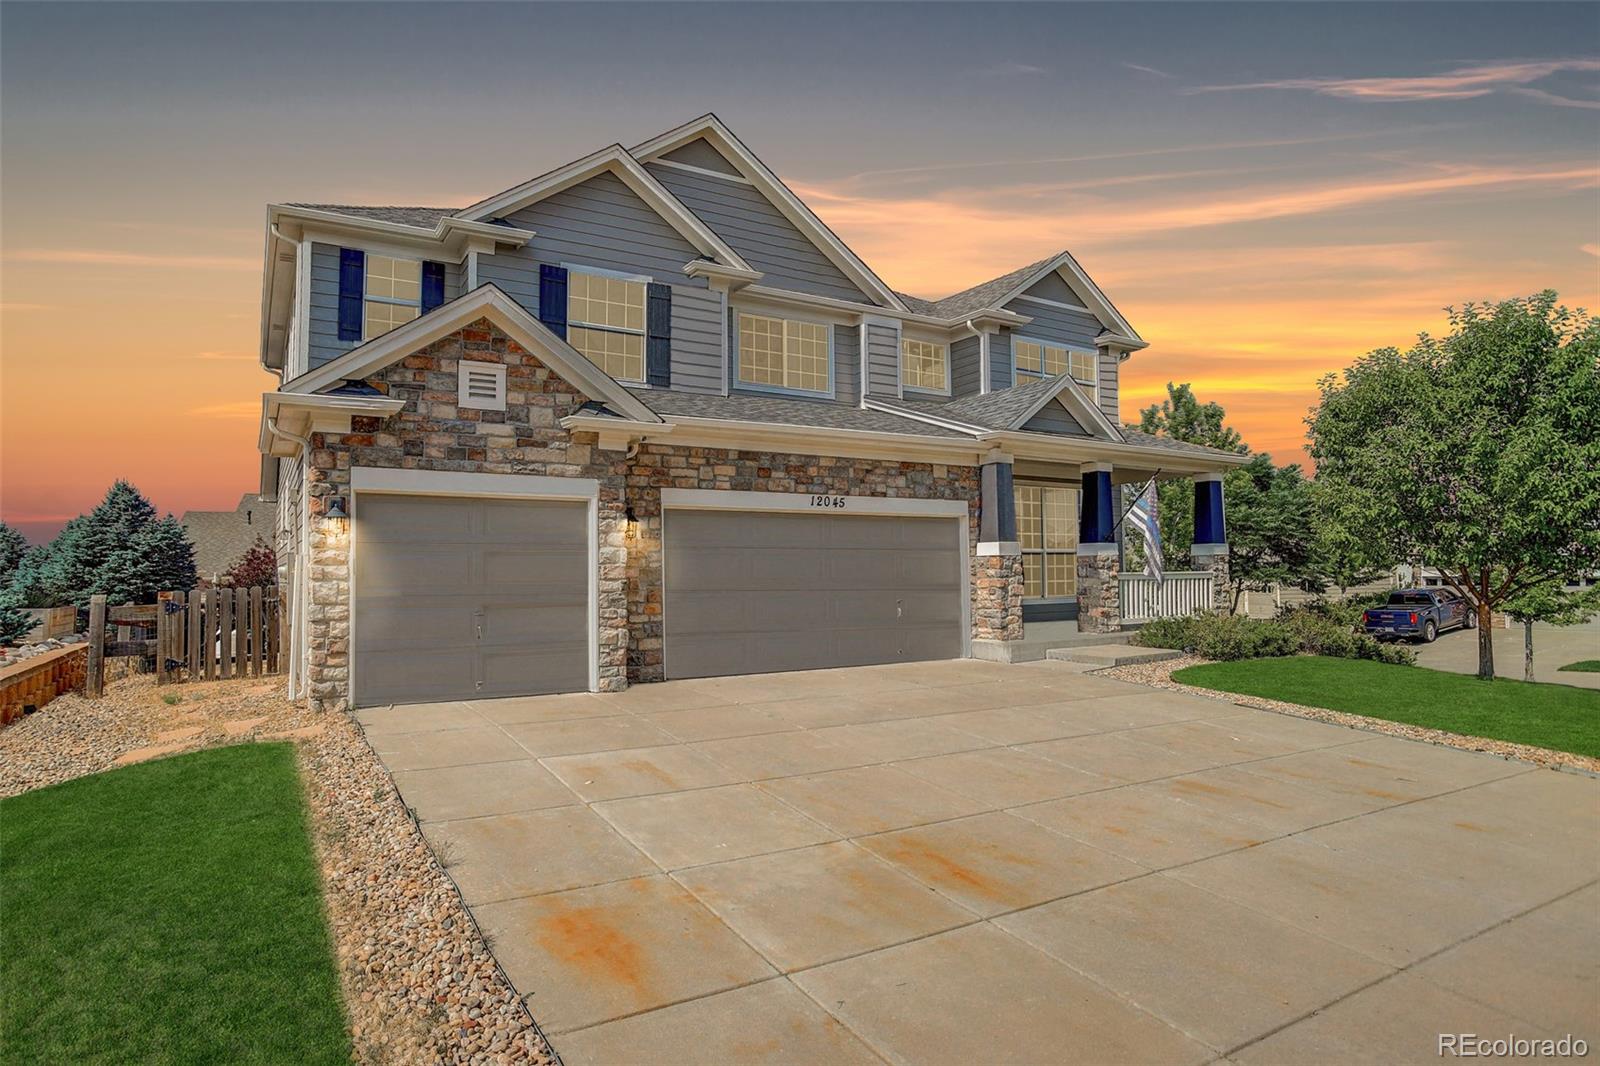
x,y
998,410
1150,440
783,411
986,294
221,537
427,217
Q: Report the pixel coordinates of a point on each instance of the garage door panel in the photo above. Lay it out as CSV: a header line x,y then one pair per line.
x,y
761,592
429,571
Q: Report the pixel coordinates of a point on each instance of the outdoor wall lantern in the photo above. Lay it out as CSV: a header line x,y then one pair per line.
x,y
337,513
631,530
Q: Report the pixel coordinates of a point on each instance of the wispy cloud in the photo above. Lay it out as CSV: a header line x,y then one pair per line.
x,y
224,356
1592,249
238,409
1556,100
1148,70
1012,69
1462,83
17,306
105,257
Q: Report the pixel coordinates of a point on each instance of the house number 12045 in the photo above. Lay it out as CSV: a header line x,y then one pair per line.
x,y
827,501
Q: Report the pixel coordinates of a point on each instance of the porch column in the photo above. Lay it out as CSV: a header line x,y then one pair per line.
x,y
997,582
1098,564
1210,551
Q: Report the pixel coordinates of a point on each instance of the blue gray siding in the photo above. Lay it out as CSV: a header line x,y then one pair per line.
x,y
883,361
847,364
1051,287
1077,328
700,153
759,232
1000,361
1054,418
1109,370
966,358
323,339
455,276
696,340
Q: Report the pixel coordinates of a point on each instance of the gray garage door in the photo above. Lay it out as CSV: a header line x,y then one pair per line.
x,y
758,592
457,597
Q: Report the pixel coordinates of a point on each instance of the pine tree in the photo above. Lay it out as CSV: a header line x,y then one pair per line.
x,y
13,546
158,558
14,621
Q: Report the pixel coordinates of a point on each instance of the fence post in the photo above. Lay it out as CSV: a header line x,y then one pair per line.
x,y
225,636
94,682
163,636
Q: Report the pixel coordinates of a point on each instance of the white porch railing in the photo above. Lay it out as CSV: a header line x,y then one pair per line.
x,y
1182,593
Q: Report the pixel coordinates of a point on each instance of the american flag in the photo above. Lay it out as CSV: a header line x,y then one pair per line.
x,y
1141,520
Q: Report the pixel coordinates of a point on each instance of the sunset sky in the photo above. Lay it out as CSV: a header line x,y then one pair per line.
x,y
1265,190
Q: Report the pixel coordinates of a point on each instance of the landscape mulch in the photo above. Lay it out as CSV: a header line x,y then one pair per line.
x,y
420,984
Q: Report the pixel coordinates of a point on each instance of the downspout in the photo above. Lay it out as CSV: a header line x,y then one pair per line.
x,y
302,567
983,357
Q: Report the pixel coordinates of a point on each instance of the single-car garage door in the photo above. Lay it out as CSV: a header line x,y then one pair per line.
x,y
755,592
457,597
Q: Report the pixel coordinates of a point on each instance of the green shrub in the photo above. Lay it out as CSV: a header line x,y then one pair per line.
x,y
1310,629
1175,633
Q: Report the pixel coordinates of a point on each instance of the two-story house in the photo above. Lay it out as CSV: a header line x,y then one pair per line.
x,y
646,417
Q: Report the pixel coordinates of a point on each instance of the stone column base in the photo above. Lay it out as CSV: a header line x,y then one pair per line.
x,y
1099,606
997,597
1214,557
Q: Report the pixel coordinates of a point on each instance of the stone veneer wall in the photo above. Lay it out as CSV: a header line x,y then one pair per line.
x,y
431,433
1099,595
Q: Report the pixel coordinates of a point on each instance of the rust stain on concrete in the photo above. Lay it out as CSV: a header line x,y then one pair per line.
x,y
1471,827
945,870
1206,788
649,769
586,938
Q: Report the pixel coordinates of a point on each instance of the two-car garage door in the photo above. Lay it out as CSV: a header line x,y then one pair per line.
x,y
457,597
754,592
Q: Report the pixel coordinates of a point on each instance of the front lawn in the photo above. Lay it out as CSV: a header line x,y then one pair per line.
x,y
1547,716
1584,666
167,912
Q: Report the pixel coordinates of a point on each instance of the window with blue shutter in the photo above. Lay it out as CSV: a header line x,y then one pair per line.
x,y
658,335
553,299
352,282
432,286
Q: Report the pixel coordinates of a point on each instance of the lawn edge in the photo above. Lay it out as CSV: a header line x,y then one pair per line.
x,y
1159,675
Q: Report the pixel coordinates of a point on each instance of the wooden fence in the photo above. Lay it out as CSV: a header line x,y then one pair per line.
x,y
1182,593
198,635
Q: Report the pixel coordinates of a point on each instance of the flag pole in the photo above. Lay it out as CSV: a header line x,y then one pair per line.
x,y
1137,497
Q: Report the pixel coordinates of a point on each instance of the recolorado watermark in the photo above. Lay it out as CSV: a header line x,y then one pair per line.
x,y
1473,1046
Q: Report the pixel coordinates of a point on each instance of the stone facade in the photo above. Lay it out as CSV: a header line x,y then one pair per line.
x,y
1214,557
432,433
1099,606
997,597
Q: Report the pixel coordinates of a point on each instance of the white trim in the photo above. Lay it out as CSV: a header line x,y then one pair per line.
x,y
875,404
465,369
1213,476
992,316
1051,303
1101,307
296,416
486,301
801,502
999,547
620,275
707,171
302,310
471,278
766,182
502,486
1206,551
627,169
1095,468
1080,406
1107,548
830,391
984,381
923,389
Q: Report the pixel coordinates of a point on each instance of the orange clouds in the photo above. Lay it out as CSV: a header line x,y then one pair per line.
x,y
1460,84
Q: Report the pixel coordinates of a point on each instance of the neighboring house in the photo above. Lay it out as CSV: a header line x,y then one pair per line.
x,y
646,417
220,538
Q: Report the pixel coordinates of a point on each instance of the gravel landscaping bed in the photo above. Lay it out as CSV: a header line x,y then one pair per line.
x,y
420,984
1159,675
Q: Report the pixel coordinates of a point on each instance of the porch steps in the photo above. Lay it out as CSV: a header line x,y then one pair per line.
x,y
1050,637
1107,655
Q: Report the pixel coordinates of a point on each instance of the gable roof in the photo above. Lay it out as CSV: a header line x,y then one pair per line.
x,y
486,301
710,128
1010,409
996,292
615,160
406,216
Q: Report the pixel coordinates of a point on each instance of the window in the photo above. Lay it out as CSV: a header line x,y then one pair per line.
x,y
1047,527
1037,359
393,294
924,365
605,321
481,385
783,353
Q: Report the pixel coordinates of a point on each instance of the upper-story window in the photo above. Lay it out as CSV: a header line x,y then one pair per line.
x,y
925,365
1036,359
605,321
783,353
393,294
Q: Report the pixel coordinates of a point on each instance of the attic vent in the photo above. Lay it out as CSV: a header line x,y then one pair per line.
x,y
482,385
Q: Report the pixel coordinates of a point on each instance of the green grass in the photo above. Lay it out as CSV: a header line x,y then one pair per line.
x,y
168,912
1584,666
1547,716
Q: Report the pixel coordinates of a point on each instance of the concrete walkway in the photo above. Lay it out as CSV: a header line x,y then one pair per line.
x,y
1553,648
976,862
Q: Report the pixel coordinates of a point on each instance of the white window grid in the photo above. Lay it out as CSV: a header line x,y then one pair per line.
x,y
925,365
1047,529
606,322
392,294
783,353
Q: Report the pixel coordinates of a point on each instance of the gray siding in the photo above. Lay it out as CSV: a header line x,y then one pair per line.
x,y
323,341
1053,418
599,223
1077,328
965,365
1051,287
455,276
1000,361
883,361
1109,372
696,340
759,232
700,153
847,364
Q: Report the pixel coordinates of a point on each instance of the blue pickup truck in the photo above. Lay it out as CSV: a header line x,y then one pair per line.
x,y
1419,614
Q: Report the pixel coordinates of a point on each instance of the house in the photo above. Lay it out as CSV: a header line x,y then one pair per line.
x,y
645,416
221,538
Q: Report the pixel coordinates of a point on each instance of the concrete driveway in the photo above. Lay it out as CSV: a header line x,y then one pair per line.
x,y
1553,648
974,862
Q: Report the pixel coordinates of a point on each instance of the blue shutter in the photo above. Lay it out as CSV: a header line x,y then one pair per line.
x,y
352,283
1209,527
553,299
658,335
432,286
1096,520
